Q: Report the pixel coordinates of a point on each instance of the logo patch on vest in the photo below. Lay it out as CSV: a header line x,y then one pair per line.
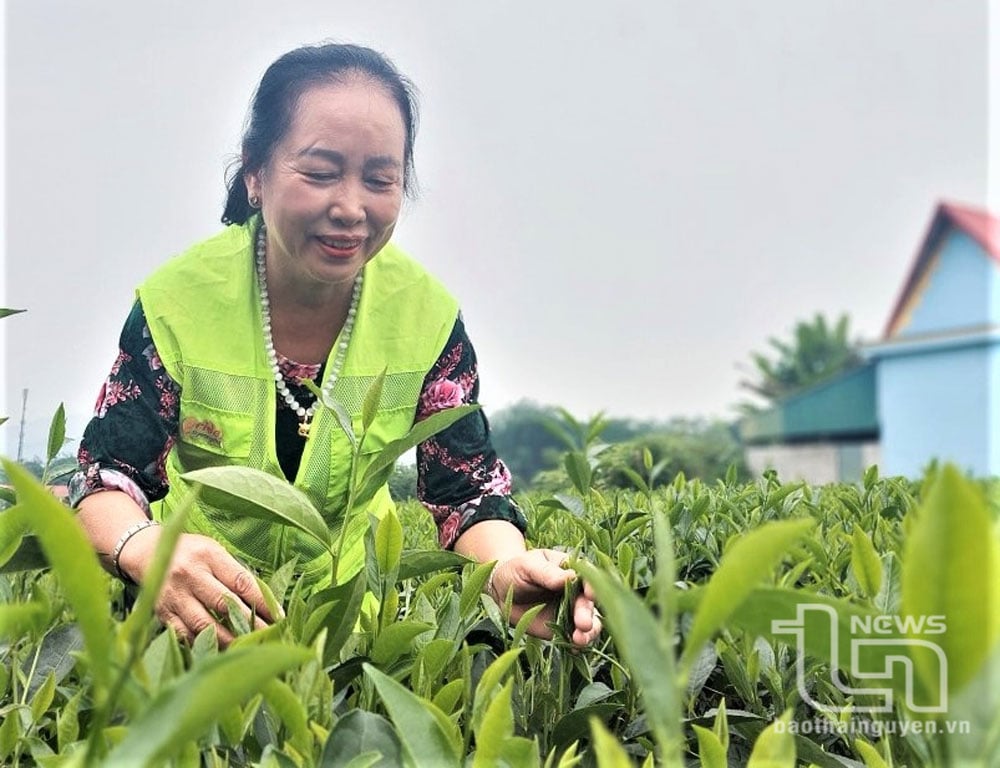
x,y
194,430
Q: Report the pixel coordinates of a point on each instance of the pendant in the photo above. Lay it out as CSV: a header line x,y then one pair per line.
x,y
304,427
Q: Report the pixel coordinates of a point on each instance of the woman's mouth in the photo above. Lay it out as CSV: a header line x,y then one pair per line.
x,y
340,247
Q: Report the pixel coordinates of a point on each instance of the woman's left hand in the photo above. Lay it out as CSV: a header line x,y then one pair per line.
x,y
538,576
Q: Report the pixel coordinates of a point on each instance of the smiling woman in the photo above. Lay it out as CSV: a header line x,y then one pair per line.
x,y
303,286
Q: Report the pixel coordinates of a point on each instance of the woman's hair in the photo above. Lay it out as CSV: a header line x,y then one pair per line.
x,y
273,109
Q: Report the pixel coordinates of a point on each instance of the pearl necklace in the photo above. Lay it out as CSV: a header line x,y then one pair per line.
x,y
305,414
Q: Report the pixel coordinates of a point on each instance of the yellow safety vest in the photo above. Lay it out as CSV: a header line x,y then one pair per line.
x,y
203,311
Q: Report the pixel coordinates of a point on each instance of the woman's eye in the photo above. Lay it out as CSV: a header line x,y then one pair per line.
x,y
381,183
320,175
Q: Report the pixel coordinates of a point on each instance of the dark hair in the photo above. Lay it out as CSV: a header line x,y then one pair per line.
x,y
274,102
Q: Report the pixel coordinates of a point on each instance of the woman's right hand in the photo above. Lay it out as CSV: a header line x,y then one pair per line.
x,y
201,580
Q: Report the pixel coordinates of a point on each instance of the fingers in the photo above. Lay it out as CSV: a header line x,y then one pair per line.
x,y
192,621
586,620
541,569
538,576
203,584
243,587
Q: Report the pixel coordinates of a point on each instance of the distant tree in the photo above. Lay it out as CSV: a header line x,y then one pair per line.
x,y
698,448
524,437
522,440
816,351
403,482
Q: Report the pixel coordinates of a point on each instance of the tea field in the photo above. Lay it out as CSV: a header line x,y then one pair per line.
x,y
761,624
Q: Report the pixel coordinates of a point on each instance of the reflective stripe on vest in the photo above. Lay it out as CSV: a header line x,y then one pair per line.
x,y
203,311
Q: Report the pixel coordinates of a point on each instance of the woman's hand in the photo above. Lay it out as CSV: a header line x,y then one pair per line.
x,y
201,580
538,576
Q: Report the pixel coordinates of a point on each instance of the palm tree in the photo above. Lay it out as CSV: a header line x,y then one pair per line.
x,y
815,352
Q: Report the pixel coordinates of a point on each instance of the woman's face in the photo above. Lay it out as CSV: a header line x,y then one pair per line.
x,y
332,190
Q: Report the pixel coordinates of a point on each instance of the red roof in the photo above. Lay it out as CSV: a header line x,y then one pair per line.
x,y
979,224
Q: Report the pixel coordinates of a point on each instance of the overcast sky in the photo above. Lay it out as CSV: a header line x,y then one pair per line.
x,y
627,198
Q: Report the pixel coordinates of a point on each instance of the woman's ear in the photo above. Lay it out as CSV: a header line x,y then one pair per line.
x,y
252,181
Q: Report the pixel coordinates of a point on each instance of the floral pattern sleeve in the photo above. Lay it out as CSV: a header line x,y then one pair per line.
x,y
460,478
126,443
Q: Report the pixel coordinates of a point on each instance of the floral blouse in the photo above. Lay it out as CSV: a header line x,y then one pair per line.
x,y
460,479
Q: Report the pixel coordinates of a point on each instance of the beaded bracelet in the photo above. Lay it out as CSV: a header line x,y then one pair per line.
x,y
116,553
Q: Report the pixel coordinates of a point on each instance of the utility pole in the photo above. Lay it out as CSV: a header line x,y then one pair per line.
x,y
20,436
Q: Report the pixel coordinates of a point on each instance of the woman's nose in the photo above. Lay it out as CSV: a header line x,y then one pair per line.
x,y
347,203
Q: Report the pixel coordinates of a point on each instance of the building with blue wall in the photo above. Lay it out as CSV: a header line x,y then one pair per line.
x,y
930,388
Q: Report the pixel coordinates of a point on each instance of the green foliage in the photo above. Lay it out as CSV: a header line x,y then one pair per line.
x,y
705,450
952,531
520,437
531,438
815,352
403,482
409,663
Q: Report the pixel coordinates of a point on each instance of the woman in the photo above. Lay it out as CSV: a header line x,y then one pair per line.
x,y
302,284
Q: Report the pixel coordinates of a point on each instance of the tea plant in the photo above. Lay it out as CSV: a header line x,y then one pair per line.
x,y
408,662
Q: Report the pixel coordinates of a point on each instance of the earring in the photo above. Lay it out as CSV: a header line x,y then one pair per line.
x,y
254,201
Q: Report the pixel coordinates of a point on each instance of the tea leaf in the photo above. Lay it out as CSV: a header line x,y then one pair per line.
x,y
389,544
73,559
578,469
396,639
21,619
607,750
417,563
721,725
359,733
43,697
521,629
19,551
496,727
284,703
68,721
887,599
865,563
575,724
701,669
262,496
56,654
4,312
643,646
951,529
473,588
57,433
448,698
420,432
490,682
186,709
10,732
635,477
13,526
743,567
335,609
869,754
775,747
373,397
366,760
343,417
711,753
426,734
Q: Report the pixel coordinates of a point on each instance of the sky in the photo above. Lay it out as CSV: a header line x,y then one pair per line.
x,y
628,199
